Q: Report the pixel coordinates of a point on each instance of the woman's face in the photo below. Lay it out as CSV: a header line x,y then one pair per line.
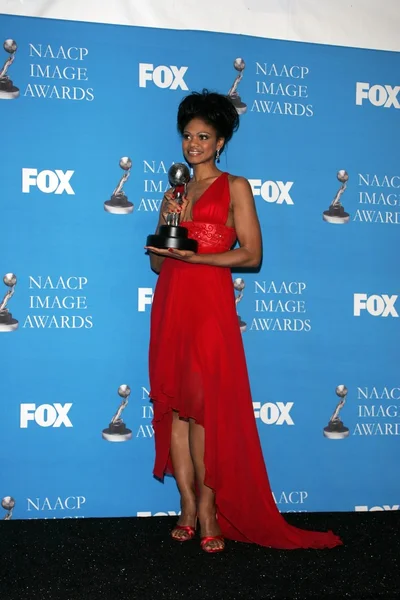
x,y
200,142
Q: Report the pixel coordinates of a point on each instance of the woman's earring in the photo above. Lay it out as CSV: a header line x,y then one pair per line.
x,y
217,156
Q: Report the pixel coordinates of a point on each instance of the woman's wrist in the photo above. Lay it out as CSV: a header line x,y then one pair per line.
x,y
195,259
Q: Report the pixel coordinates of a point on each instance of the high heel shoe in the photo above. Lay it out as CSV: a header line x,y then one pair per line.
x,y
210,538
190,532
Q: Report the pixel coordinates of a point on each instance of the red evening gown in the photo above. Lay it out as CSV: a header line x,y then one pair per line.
x,y
197,366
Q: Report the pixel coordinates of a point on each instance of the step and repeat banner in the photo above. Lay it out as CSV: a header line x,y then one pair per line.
x,y
88,116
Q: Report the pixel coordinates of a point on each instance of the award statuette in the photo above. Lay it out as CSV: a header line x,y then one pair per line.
x,y
335,430
240,66
8,91
118,203
7,323
239,286
172,235
117,430
336,213
8,504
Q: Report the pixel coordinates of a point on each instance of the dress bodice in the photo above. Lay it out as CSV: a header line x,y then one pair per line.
x,y
211,237
210,213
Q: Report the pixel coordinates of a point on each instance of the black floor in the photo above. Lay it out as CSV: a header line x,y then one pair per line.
x,y
103,559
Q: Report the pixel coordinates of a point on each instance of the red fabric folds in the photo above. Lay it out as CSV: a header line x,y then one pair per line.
x,y
197,366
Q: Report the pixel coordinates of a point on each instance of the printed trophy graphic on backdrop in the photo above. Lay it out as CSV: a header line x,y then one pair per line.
x,y
8,91
336,213
239,286
7,323
117,430
8,504
172,235
335,430
240,66
118,203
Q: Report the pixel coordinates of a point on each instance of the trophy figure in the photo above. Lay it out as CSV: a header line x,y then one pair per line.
x,y
8,504
239,286
7,323
118,203
240,66
8,91
335,430
172,235
336,213
117,430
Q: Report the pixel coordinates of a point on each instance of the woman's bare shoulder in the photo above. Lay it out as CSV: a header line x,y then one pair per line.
x,y
238,183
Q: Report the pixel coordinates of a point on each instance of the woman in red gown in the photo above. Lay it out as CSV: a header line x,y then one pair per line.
x,y
205,430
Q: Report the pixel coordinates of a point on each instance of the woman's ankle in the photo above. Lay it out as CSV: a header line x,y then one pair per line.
x,y
188,506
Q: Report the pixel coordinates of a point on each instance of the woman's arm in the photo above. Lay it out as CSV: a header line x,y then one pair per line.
x,y
247,228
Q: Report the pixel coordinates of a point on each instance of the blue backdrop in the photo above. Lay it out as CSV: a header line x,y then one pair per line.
x,y
321,312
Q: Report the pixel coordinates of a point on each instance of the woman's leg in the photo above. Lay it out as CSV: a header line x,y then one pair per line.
x,y
206,501
184,474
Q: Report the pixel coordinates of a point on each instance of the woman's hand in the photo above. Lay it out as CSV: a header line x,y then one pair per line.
x,y
170,205
185,255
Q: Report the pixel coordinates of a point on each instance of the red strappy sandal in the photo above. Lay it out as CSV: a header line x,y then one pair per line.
x,y
210,538
190,533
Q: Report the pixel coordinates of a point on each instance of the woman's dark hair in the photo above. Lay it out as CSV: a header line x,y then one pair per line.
x,y
215,109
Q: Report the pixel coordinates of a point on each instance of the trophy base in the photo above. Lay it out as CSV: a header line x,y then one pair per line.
x,y
242,325
172,237
339,218
336,434
8,92
114,209
240,106
114,436
12,325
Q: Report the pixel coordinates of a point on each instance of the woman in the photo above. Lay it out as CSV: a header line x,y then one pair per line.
x,y
205,431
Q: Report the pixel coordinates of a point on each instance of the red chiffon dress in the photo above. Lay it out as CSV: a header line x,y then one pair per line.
x,y
197,367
